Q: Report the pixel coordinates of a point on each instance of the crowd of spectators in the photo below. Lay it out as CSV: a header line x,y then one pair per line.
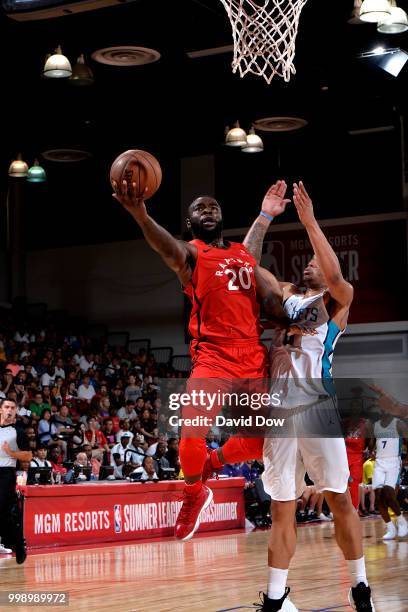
x,y
84,403
78,395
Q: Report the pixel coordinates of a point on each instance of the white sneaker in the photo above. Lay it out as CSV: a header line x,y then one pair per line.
x,y
391,532
289,606
402,527
4,550
323,517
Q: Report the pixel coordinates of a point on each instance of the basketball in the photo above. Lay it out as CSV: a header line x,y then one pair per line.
x,y
139,167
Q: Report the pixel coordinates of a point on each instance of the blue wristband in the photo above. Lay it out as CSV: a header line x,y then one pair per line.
x,y
264,214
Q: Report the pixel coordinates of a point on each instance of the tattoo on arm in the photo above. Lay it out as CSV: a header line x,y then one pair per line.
x,y
254,239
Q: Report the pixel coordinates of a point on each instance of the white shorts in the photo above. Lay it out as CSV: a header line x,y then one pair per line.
x,y
386,472
288,459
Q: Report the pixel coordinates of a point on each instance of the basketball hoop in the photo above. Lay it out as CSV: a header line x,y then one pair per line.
x,y
264,34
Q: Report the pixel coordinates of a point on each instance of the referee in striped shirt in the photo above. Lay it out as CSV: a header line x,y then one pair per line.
x,y
14,446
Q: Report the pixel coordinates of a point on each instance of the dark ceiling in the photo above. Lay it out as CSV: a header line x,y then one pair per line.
x,y
180,106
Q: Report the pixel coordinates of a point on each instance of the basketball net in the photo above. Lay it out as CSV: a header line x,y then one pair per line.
x,y
264,34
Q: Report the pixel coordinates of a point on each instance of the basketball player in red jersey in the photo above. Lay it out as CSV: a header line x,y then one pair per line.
x,y
224,283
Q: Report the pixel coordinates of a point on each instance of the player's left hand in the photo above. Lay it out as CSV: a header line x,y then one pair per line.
x,y
303,204
306,495
274,202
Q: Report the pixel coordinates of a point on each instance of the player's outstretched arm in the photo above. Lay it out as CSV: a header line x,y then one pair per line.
x,y
273,204
389,404
327,259
177,254
269,293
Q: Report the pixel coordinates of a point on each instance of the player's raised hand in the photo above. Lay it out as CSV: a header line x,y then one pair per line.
x,y
127,196
274,202
303,204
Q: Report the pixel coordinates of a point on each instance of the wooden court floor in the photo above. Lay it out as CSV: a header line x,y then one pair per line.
x,y
213,573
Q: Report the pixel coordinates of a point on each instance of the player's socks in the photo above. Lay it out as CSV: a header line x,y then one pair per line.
x,y
357,571
277,582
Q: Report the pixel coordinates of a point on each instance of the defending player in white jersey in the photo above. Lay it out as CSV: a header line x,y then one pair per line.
x,y
326,302
386,437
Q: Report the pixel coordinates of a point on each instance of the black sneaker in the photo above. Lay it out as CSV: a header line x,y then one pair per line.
x,y
21,550
274,605
20,546
360,598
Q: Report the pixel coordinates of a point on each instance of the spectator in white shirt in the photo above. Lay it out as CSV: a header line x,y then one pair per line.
x,y
147,469
124,427
48,378
128,411
59,369
86,390
127,452
22,337
86,363
40,458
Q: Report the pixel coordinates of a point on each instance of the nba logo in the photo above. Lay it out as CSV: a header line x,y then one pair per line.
x,y
117,510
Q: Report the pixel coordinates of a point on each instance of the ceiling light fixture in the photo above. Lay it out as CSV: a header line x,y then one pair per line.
x,y
18,168
57,66
395,23
36,174
374,11
81,73
236,137
254,143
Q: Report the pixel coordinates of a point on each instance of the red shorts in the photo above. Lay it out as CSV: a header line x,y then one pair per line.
x,y
218,371
238,360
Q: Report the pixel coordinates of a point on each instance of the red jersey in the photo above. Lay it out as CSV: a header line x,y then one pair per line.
x,y
222,290
355,440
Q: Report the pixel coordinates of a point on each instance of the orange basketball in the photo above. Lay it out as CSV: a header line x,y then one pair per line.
x,y
139,167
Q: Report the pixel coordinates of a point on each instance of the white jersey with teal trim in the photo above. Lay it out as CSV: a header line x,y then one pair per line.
x,y
388,441
311,356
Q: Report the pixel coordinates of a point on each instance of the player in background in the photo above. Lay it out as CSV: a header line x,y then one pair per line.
x,y
387,434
